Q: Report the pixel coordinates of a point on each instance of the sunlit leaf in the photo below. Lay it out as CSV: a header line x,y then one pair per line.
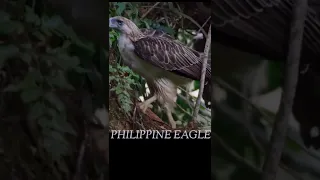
x,y
196,85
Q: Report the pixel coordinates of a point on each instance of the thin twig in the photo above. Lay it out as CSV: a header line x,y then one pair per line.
x,y
280,127
268,118
203,75
77,175
204,24
192,97
227,86
204,114
166,18
185,16
149,10
234,154
200,28
236,116
291,172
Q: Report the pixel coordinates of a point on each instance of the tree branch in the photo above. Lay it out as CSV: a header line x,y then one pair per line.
x,y
185,16
149,10
203,75
278,136
297,164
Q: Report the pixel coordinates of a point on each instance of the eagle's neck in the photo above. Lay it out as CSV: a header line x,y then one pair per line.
x,y
135,33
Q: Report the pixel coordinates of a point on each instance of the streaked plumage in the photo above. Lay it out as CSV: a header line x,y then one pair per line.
x,y
163,62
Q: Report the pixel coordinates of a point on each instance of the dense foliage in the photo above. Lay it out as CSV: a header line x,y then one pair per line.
x,y
48,77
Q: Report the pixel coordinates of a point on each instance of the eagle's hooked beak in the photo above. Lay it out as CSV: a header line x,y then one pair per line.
x,y
113,23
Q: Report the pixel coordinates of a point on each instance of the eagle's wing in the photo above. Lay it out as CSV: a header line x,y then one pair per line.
x,y
171,56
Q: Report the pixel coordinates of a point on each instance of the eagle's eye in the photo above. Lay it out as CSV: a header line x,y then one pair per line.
x,y
120,22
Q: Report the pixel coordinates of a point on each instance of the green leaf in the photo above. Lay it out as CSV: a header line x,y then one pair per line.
x,y
196,85
26,57
12,88
60,81
67,62
28,82
4,17
31,17
63,167
56,23
111,69
66,44
275,74
61,124
6,52
53,22
46,31
31,94
146,23
293,145
57,136
39,35
81,70
44,122
55,101
37,110
121,8
118,90
27,46
55,143
10,27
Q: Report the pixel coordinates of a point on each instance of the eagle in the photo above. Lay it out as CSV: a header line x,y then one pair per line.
x,y
163,62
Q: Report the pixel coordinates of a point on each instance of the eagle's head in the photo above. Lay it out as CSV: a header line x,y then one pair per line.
x,y
124,25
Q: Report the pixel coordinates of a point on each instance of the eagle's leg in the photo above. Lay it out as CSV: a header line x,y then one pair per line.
x,y
147,103
170,118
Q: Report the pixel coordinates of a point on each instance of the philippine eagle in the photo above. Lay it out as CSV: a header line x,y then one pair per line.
x,y
163,62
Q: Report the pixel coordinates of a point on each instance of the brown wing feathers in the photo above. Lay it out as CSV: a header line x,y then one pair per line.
x,y
171,56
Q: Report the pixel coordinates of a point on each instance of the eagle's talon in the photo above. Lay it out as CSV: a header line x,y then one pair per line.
x,y
144,106
147,104
173,124
170,118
